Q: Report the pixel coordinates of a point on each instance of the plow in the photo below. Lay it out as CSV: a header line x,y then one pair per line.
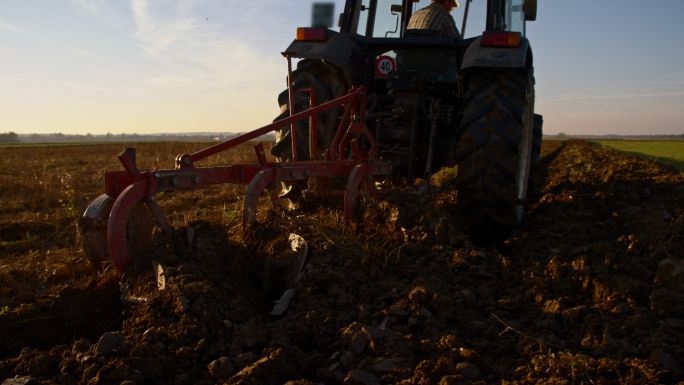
x,y
371,100
131,195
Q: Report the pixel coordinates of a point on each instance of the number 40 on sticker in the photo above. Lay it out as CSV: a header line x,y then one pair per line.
x,y
384,65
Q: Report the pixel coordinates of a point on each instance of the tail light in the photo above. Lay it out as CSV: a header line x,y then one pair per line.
x,y
311,34
501,39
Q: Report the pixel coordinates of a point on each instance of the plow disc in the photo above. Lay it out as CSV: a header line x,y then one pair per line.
x,y
119,224
92,227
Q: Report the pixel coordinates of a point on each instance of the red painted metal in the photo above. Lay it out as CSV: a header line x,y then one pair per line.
x,y
313,123
291,102
354,94
344,158
118,224
261,155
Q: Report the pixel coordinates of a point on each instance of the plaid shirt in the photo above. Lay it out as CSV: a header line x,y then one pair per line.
x,y
435,18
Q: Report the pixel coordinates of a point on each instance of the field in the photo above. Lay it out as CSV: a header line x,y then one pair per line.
x,y
590,290
669,152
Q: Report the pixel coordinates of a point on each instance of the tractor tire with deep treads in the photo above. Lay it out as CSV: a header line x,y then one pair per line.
x,y
535,168
327,83
488,152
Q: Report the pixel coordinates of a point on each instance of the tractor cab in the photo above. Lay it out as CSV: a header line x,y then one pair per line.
x,y
491,33
431,101
390,18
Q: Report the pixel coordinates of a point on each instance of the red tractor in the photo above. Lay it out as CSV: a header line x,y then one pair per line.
x,y
431,101
371,100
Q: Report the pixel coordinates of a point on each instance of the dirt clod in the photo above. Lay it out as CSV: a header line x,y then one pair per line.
x,y
109,344
221,368
26,380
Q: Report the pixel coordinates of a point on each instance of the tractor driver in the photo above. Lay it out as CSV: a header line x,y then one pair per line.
x,y
436,17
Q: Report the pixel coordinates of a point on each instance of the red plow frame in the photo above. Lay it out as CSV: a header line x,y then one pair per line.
x,y
343,158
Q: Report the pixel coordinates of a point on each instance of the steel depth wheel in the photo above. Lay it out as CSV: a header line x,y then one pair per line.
x,y
92,230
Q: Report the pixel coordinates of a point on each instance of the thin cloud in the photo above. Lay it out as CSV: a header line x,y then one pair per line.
x,y
654,83
205,60
193,47
14,29
11,28
101,89
158,32
566,98
13,79
113,14
170,82
89,5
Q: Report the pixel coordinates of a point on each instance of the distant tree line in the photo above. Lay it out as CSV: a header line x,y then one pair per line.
x,y
9,137
562,135
117,138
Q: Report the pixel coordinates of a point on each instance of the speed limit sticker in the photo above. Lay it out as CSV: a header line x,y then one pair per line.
x,y
384,65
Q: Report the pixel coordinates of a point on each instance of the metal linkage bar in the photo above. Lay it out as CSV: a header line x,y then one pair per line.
x,y
188,160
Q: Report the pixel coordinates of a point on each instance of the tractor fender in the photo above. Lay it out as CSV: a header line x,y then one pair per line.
x,y
339,50
478,56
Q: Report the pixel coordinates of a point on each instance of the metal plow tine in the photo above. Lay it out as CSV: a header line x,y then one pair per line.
x,y
357,175
261,180
162,220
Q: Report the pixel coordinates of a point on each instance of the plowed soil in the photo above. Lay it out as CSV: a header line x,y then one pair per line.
x,y
590,290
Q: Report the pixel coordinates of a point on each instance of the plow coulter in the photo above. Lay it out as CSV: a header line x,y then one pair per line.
x,y
118,224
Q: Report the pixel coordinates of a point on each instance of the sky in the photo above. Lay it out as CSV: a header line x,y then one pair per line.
x,y
153,66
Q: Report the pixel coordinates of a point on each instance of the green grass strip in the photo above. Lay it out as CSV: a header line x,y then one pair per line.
x,y
670,152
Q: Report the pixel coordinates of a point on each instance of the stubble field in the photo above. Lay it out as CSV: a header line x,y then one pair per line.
x,y
589,291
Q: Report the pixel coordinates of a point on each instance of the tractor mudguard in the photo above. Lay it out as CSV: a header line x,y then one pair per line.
x,y
339,50
478,56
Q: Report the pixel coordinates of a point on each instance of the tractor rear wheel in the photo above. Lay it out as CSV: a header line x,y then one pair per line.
x,y
496,149
327,83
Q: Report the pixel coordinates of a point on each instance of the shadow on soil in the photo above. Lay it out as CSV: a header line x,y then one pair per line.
x,y
74,313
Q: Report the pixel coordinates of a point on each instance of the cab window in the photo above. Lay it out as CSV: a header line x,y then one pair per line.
x,y
515,18
387,21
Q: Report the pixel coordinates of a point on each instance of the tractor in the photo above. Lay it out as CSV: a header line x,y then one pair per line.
x,y
368,101
431,101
